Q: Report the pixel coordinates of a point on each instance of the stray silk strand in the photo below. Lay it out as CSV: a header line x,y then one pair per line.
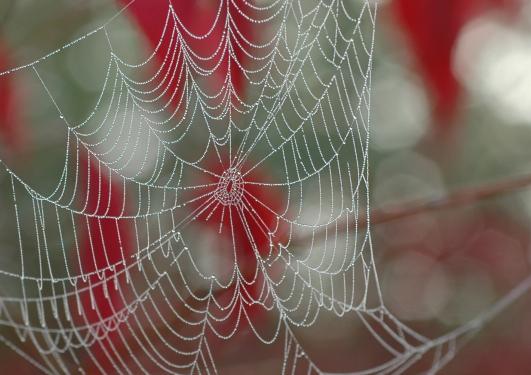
x,y
458,198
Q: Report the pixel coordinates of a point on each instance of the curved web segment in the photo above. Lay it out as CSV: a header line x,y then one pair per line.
x,y
173,148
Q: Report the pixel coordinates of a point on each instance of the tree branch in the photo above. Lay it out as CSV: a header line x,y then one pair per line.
x,y
461,197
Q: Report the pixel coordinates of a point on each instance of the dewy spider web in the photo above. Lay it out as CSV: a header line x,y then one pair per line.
x,y
165,308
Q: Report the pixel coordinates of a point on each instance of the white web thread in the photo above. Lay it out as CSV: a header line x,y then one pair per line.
x,y
313,123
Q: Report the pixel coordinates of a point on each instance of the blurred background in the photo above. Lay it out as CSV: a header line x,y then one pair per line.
x,y
451,108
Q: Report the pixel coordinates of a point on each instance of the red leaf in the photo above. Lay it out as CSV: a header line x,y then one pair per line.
x,y
106,241
199,17
432,28
250,226
11,128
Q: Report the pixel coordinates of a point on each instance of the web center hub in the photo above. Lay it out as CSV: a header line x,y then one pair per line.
x,y
230,187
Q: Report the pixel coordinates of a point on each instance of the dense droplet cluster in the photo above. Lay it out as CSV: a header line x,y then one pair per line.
x,y
230,187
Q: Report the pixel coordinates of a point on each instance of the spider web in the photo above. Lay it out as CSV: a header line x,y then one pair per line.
x,y
185,156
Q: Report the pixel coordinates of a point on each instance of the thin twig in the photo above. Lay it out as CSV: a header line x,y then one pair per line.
x,y
459,198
